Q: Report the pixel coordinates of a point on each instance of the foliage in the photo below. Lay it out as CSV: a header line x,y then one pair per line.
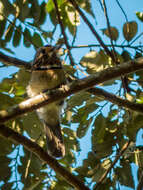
x,y
108,126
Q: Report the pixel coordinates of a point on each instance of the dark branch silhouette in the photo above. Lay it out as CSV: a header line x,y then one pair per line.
x,y
74,87
42,155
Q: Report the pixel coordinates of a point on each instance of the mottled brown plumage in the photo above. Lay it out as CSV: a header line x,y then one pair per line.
x,y
47,74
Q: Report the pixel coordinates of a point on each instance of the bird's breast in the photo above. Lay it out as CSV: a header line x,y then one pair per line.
x,y
45,80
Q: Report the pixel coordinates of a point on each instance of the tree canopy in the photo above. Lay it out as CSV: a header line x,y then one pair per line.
x,y
103,119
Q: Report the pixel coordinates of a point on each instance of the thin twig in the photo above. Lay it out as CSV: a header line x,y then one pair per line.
x,y
75,5
124,148
122,10
101,5
114,57
108,45
136,38
63,31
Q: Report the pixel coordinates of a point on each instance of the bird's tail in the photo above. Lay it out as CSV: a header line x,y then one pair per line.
x,y
55,144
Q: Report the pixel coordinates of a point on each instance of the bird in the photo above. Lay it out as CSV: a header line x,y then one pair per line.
x,y
48,74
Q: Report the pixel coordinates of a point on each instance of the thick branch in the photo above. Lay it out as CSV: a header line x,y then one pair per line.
x,y
74,87
8,60
37,150
117,100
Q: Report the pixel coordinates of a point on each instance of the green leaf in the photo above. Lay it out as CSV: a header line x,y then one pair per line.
x,y
102,137
30,165
22,77
78,99
27,37
86,5
9,32
17,36
73,15
43,14
5,101
113,33
50,5
81,117
125,174
6,147
83,127
134,125
35,11
36,128
36,39
53,18
3,25
24,10
5,171
94,61
98,171
140,16
129,30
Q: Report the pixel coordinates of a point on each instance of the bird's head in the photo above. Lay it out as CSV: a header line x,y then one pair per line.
x,y
47,57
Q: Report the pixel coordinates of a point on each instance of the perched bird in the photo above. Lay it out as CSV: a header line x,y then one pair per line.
x,y
47,74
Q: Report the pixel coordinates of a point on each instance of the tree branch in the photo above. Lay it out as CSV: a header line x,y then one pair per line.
x,y
124,148
8,60
114,56
39,152
109,45
74,87
63,31
117,100
75,5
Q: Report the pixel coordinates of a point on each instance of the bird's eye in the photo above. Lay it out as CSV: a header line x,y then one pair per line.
x,y
43,51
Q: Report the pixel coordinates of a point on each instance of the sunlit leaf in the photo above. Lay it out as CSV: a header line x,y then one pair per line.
x,y
129,30
94,61
50,5
140,15
86,5
73,15
113,33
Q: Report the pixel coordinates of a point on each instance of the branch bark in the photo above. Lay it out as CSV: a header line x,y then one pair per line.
x,y
117,100
74,87
8,60
38,151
